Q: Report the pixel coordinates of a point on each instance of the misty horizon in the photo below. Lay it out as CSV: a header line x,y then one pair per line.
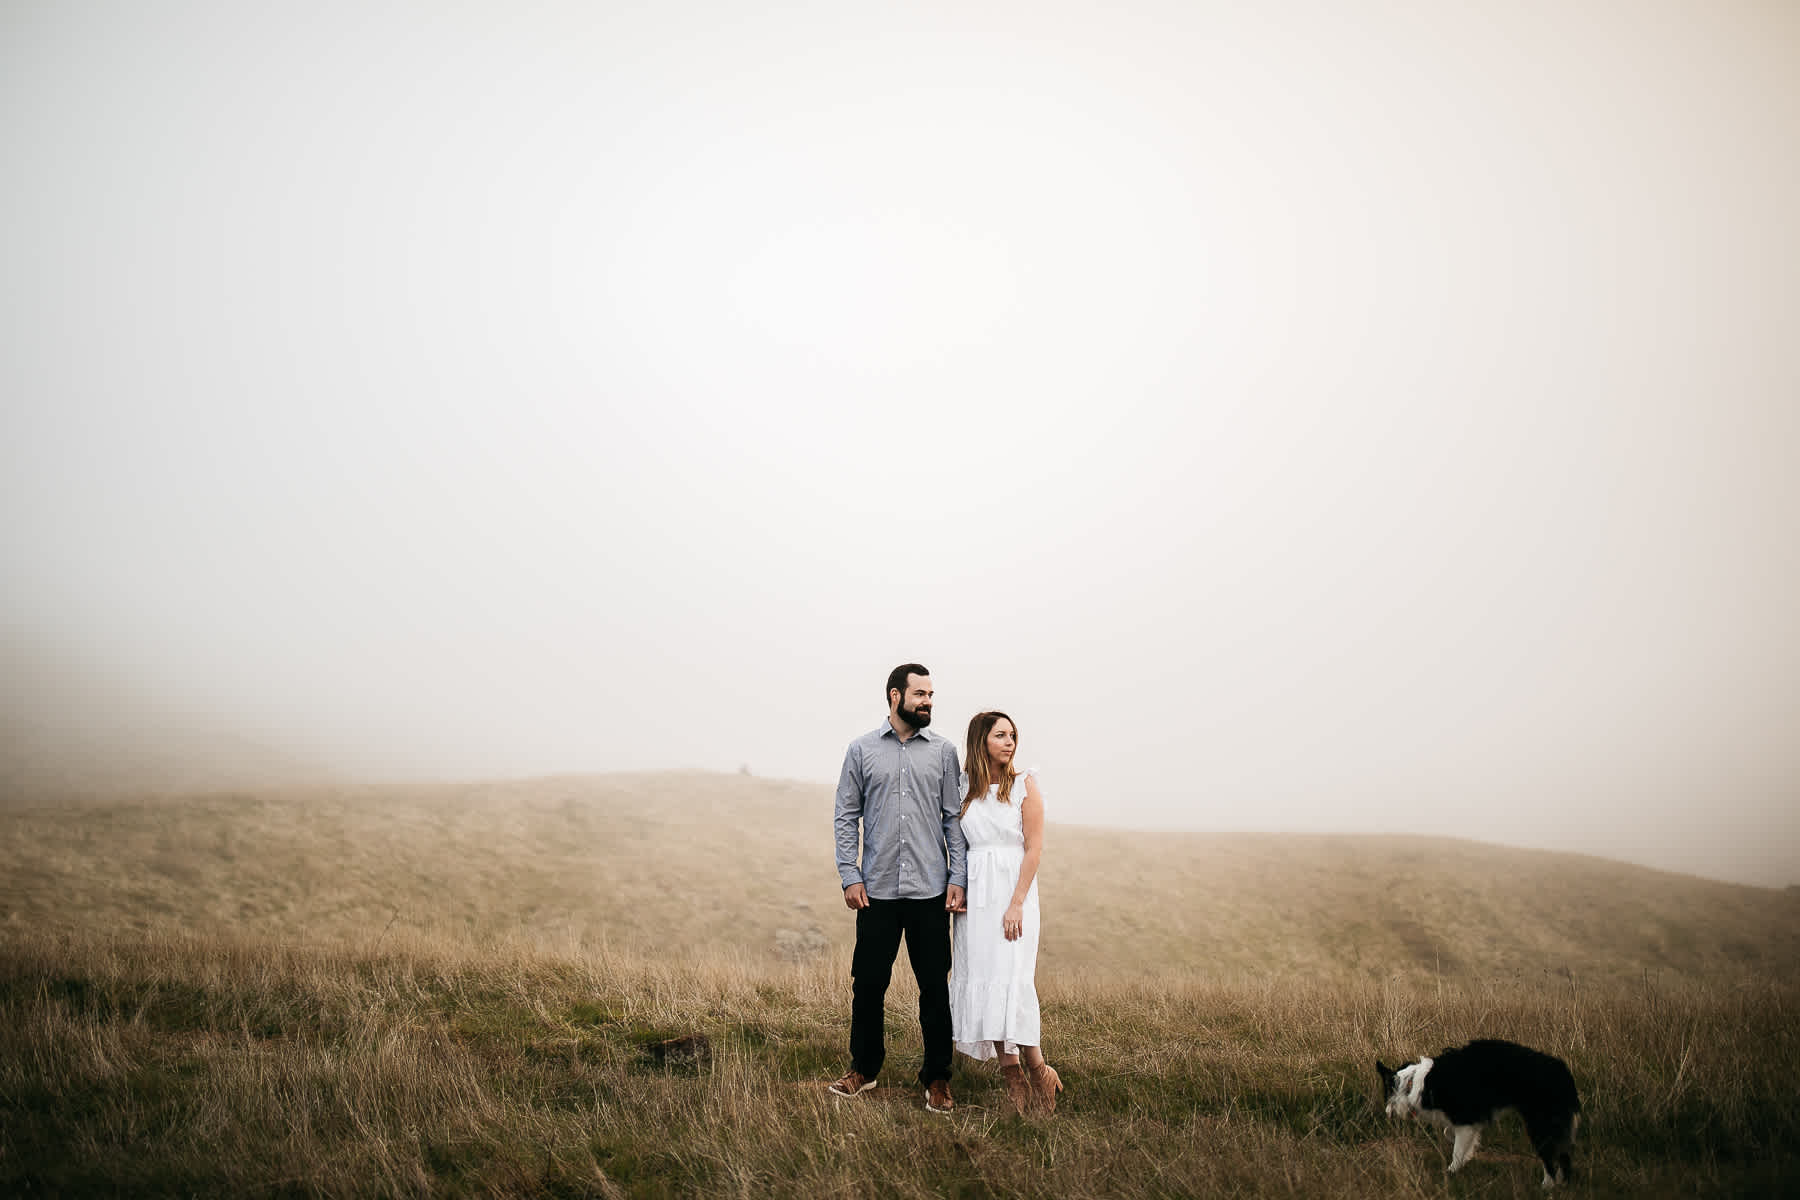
x,y
1308,419
79,734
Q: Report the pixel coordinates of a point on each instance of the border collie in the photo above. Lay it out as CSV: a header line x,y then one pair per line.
x,y
1464,1089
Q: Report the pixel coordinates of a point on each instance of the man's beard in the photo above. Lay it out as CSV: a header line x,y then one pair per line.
x,y
917,718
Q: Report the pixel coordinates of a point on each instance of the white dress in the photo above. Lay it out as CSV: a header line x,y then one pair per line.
x,y
993,992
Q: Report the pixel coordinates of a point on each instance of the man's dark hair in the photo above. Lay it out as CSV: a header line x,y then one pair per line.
x,y
897,679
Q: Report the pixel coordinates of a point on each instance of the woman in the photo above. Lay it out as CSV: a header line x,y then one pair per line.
x,y
993,995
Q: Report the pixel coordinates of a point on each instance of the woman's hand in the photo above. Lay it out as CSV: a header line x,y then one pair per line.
x,y
1013,923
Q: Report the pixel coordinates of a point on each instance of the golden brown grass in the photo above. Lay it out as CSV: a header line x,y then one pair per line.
x,y
225,1067
451,991
682,862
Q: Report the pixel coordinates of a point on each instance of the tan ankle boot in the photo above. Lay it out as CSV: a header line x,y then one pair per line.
x,y
1045,1083
1018,1088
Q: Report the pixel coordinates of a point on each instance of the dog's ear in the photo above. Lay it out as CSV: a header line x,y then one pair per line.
x,y
1387,1076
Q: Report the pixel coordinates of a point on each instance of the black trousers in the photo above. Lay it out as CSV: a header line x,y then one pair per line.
x,y
879,927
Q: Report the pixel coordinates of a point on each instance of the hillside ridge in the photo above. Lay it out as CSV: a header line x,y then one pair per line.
x,y
690,862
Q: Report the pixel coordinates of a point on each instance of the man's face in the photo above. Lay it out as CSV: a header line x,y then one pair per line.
x,y
915,703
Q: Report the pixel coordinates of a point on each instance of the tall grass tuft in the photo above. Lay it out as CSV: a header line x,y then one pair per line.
x,y
220,1066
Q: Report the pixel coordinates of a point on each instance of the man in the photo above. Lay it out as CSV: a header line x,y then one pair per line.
x,y
903,783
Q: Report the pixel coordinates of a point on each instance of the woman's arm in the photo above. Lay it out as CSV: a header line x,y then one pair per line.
x,y
1031,815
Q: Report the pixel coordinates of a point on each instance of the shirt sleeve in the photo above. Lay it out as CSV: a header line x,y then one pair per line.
x,y
848,816
951,792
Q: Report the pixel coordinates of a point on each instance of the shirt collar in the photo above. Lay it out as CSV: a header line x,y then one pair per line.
x,y
887,730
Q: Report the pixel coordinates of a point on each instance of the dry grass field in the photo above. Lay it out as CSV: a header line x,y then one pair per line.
x,y
458,990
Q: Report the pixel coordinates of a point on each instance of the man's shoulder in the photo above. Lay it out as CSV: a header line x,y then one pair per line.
x,y
944,745
871,738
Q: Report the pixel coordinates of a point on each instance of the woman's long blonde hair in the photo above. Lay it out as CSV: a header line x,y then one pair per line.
x,y
975,757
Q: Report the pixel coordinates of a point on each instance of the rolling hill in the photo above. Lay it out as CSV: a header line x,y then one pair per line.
x,y
459,990
690,863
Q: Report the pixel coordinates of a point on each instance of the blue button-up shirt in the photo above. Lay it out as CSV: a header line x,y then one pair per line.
x,y
908,796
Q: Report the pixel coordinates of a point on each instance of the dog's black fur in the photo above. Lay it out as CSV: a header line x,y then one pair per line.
x,y
1471,1085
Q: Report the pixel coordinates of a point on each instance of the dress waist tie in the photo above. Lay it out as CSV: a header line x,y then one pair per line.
x,y
995,884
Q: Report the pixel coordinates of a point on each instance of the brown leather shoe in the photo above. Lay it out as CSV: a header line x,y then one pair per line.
x,y
1045,1083
853,1084
1018,1088
937,1097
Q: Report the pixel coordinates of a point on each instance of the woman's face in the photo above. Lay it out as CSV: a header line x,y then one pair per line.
x,y
1002,740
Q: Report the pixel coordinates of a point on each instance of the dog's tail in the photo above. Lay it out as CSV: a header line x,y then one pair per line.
x,y
1553,1137
1564,1160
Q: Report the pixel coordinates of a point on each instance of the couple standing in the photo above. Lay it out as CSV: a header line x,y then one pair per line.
x,y
935,843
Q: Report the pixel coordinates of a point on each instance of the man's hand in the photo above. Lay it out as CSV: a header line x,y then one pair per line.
x,y
954,901
856,896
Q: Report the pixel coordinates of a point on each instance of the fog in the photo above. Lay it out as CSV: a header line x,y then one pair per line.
x,y
1372,416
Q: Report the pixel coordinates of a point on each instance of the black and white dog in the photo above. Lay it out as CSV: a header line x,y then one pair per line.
x,y
1466,1088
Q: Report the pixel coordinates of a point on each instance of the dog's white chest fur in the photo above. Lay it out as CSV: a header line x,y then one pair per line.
x,y
1409,1086
1407,1100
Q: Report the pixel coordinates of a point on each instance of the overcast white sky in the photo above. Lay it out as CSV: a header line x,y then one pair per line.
x,y
1372,416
